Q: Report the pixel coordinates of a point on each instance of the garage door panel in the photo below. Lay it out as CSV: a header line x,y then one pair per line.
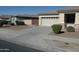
x,y
45,22
49,22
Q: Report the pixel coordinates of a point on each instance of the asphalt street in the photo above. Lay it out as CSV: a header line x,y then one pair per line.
x,y
6,46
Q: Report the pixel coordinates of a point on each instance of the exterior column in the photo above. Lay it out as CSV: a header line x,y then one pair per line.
x,y
77,21
40,21
61,19
77,18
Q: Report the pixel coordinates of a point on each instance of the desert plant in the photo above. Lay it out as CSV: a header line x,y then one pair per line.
x,y
56,28
70,29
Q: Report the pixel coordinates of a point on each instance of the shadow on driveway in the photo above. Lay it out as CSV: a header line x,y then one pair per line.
x,y
11,47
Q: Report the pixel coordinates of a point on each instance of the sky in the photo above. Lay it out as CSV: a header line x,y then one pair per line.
x,y
12,10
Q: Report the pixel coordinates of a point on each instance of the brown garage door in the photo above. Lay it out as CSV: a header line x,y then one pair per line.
x,y
35,22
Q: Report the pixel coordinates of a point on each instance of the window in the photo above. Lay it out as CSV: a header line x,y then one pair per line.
x,y
69,18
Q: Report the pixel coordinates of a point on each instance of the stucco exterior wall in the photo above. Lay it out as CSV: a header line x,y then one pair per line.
x,y
61,18
77,18
28,22
77,21
40,20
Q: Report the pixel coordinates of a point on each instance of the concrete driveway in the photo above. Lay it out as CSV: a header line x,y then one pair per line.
x,y
36,37
32,37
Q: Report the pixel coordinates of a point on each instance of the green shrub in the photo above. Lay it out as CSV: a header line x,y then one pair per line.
x,y
3,22
70,29
56,28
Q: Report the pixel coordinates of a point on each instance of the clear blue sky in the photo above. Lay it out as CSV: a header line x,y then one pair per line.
x,y
27,9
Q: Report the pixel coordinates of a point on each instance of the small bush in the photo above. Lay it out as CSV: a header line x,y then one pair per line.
x,y
70,29
1,24
56,28
4,22
20,23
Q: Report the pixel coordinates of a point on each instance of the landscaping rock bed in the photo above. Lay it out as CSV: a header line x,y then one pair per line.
x,y
74,35
66,45
17,28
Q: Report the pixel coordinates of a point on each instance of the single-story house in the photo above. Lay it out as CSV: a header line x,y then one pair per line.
x,y
28,19
66,17
69,17
5,17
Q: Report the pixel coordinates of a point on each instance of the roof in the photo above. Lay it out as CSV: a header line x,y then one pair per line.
x,y
49,13
26,15
67,9
70,9
5,16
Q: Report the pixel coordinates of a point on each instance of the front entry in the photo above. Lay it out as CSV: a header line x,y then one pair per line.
x,y
69,19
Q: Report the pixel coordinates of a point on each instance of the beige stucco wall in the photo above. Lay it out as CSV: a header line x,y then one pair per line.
x,y
77,21
48,22
28,22
77,18
40,20
61,18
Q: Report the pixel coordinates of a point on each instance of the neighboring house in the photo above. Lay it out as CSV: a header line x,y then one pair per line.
x,y
27,19
5,17
8,18
69,17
